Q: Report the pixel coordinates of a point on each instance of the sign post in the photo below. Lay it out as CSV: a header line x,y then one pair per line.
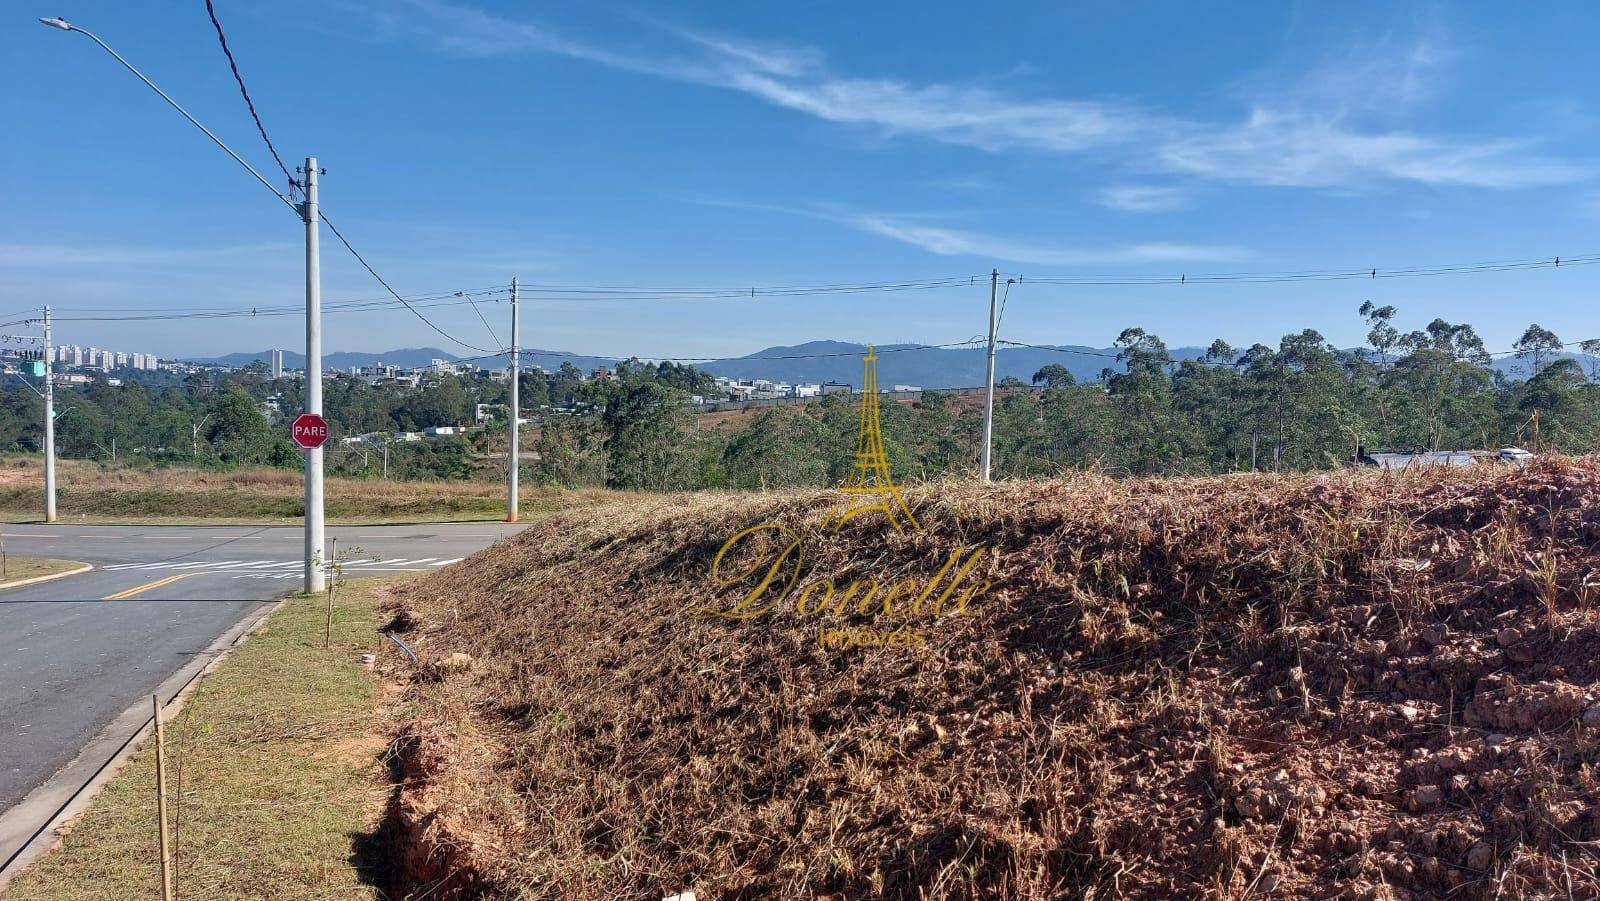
x,y
309,431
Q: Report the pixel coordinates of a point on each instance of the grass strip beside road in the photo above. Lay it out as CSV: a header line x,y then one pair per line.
x,y
278,758
29,569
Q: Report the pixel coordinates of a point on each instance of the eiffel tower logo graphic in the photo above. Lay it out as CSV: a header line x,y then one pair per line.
x,y
869,485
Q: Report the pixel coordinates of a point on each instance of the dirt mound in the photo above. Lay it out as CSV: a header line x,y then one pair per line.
x,y
1349,685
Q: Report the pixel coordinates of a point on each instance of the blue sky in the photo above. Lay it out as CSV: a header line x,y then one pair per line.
x,y
731,144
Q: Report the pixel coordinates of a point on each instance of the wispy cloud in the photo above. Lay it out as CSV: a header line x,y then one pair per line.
x,y
1319,131
959,242
919,231
1146,198
1296,149
1388,74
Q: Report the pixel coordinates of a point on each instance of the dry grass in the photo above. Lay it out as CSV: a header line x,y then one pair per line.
x,y
95,491
1354,685
275,778
17,569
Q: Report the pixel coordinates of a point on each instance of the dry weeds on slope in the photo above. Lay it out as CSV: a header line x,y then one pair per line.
x,y
1348,685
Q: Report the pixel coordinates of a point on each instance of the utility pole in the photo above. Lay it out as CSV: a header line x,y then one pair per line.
x,y
988,382
513,459
49,425
308,211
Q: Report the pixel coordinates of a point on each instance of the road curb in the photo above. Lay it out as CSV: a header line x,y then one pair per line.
x,y
83,568
73,788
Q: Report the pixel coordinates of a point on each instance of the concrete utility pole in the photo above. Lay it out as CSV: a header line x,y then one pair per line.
x,y
988,382
308,211
513,459
49,424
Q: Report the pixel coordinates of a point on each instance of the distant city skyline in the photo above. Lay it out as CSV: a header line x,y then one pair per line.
x,y
735,145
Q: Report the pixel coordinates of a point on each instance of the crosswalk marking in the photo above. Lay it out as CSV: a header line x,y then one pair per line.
x,y
241,568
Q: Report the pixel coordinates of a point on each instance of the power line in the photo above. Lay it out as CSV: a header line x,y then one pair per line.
x,y
617,292
1368,273
251,312
368,266
239,79
487,327
415,295
745,359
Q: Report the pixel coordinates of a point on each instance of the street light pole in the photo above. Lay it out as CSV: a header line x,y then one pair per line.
x,y
513,460
308,213
313,519
49,424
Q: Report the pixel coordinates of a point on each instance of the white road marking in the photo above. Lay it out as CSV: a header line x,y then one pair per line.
x,y
282,569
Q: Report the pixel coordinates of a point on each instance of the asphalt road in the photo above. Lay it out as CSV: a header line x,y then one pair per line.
x,y
78,651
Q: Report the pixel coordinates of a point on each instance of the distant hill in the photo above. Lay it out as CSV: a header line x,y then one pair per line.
x,y
344,359
911,364
823,361
412,357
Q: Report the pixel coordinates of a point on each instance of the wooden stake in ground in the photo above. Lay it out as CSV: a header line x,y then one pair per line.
x,y
161,802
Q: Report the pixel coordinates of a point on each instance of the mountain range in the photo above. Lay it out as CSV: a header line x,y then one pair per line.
x,y
817,361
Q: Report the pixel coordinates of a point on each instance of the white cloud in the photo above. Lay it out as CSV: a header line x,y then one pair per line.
x,y
1145,198
1325,128
974,117
1296,149
958,242
1387,75
918,232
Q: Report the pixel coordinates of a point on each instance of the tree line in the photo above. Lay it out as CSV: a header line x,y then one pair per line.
x,y
1302,404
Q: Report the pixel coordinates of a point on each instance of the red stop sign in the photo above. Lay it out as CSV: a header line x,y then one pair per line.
x,y
309,430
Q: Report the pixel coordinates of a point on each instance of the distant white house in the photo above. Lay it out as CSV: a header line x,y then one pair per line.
x,y
1456,459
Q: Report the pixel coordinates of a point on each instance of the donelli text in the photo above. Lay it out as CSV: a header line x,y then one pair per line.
x,y
774,579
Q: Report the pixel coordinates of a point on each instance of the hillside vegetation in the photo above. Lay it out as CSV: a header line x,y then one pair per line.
x,y
102,492
1347,685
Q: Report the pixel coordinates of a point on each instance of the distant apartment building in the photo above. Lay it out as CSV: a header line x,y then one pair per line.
x,y
275,363
69,356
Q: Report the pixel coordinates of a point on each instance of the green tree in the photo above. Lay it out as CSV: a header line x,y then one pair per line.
x,y
1054,375
1538,345
236,430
